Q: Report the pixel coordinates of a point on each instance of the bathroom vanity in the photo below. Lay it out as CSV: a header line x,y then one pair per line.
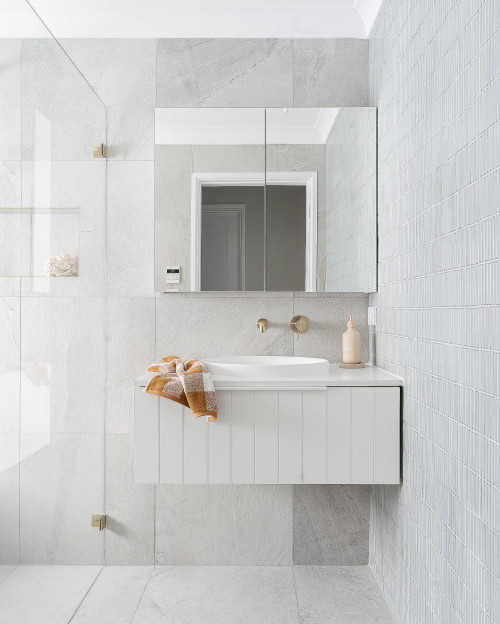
x,y
337,426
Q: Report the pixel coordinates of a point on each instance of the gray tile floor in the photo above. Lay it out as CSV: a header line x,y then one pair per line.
x,y
190,594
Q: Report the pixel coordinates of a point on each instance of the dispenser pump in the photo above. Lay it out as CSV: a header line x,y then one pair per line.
x,y
351,344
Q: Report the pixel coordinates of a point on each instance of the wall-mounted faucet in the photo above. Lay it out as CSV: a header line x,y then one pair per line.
x,y
299,324
262,325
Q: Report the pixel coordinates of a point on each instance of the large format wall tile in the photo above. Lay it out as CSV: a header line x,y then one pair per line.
x,y
62,117
130,232
224,524
328,318
61,486
130,97
130,535
330,524
63,365
222,326
330,72
10,337
224,72
130,350
9,495
79,185
10,104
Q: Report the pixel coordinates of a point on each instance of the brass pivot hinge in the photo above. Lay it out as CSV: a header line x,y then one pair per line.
x,y
99,520
100,151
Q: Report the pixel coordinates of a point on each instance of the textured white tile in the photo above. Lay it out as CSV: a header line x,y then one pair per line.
x,y
224,72
130,229
339,595
129,507
61,486
219,595
63,365
115,596
224,525
9,495
130,350
44,594
223,326
331,524
330,72
123,73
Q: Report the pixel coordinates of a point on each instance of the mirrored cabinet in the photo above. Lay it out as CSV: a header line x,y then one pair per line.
x,y
276,199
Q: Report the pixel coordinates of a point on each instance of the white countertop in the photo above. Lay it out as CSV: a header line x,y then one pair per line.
x,y
368,376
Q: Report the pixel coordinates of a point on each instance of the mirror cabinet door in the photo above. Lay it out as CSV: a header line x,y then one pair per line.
x,y
277,199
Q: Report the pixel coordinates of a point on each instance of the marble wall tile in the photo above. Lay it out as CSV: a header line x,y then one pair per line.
x,y
115,596
10,362
61,486
229,158
219,595
10,184
330,72
173,168
331,524
343,595
130,231
9,495
328,317
80,185
27,596
63,365
10,104
222,326
123,73
130,350
224,72
62,118
130,534
224,525
172,247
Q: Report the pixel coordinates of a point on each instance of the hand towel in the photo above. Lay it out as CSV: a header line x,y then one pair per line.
x,y
187,382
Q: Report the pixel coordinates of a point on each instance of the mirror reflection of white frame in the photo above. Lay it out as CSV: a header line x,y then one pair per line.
x,y
308,179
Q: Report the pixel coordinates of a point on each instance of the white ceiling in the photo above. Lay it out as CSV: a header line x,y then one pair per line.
x,y
196,18
243,126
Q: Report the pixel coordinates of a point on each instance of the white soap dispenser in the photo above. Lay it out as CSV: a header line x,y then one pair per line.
x,y
351,346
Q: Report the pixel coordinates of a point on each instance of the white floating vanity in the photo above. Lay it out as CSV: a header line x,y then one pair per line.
x,y
340,428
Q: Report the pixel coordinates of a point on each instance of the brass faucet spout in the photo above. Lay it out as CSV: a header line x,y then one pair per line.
x,y
262,325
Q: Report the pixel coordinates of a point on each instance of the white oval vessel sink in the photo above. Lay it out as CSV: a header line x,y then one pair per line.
x,y
263,366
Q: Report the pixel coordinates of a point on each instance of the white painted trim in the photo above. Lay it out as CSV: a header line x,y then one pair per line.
x,y
309,179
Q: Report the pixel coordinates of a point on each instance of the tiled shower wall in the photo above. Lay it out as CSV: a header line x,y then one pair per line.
x,y
434,74
246,524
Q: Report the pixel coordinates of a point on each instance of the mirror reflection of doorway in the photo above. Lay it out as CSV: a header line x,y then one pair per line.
x,y
223,247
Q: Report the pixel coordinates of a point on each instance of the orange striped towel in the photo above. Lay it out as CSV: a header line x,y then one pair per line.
x,y
187,382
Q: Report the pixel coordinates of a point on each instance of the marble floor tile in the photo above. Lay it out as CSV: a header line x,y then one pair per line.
x,y
219,595
339,595
6,571
115,596
331,524
44,594
224,524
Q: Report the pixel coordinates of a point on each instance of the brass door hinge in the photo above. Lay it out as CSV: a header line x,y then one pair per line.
x,y
99,520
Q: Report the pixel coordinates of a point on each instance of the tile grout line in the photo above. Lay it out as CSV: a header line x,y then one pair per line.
x,y
85,595
295,591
